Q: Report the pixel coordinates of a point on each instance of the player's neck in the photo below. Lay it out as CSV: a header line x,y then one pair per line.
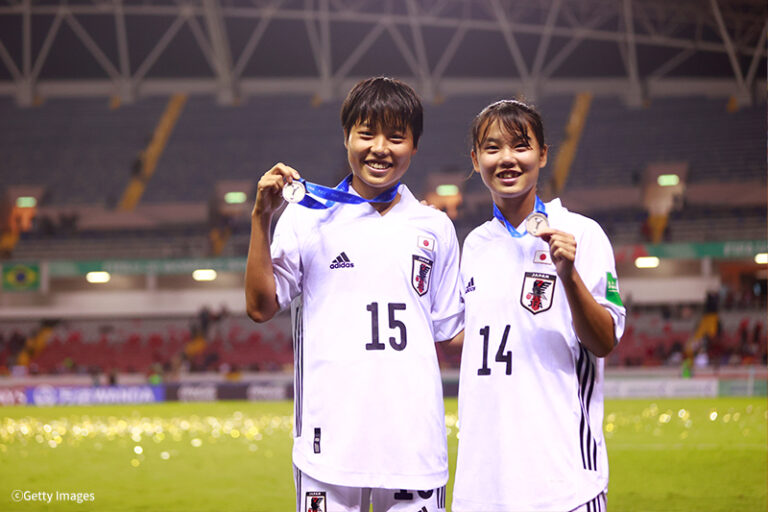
x,y
516,209
369,192
383,208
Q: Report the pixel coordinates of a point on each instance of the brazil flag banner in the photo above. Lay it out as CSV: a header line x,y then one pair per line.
x,y
21,277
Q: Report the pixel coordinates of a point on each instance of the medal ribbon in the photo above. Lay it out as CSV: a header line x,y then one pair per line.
x,y
538,207
340,194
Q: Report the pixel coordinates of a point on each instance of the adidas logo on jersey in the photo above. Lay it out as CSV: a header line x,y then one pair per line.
x,y
342,261
470,285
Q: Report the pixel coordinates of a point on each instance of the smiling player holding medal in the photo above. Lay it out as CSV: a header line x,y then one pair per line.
x,y
374,280
542,309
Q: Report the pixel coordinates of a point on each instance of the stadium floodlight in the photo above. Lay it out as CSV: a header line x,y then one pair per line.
x,y
97,277
761,258
668,180
26,202
447,190
204,274
235,197
647,262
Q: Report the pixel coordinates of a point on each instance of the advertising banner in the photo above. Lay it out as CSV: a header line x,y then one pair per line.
x,y
82,395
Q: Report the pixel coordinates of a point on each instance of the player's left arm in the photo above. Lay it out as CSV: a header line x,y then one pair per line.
x,y
592,322
447,307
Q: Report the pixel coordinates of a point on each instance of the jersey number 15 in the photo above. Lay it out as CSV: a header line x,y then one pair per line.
x,y
375,344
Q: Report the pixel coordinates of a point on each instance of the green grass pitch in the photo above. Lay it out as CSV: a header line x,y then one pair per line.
x,y
665,455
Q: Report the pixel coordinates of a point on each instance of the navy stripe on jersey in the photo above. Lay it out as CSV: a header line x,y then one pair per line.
x,y
585,369
344,257
596,505
297,477
298,365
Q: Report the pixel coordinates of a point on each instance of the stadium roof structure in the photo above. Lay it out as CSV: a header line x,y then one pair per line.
x,y
636,49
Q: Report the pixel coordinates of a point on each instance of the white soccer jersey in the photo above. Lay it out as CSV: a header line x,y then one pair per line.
x,y
377,292
530,396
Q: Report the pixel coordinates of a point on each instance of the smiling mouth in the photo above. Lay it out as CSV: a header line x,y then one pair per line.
x,y
504,175
378,165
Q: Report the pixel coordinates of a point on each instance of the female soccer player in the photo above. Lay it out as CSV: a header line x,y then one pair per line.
x,y
378,279
542,308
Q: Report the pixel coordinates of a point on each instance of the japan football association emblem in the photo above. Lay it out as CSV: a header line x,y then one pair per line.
x,y
421,274
315,502
538,292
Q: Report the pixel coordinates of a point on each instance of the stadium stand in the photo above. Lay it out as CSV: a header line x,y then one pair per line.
x,y
691,224
92,164
79,149
100,346
656,337
211,141
617,143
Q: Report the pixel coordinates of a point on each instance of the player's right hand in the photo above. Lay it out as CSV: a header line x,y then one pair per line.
x,y
269,191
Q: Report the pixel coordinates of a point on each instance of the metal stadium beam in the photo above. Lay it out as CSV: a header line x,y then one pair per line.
x,y
222,56
633,49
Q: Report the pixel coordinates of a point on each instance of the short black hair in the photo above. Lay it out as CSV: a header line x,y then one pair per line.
x,y
383,101
515,116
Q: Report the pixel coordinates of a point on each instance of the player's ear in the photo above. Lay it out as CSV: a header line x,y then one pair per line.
x,y
543,156
475,165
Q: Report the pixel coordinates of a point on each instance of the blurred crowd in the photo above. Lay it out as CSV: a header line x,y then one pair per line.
x,y
685,336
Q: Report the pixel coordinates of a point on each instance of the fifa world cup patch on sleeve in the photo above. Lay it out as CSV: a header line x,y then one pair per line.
x,y
612,290
315,501
421,274
538,292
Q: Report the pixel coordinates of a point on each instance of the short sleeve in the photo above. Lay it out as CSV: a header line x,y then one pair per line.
x,y
447,305
597,268
286,258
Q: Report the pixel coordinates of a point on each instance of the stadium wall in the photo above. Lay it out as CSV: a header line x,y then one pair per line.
x,y
74,390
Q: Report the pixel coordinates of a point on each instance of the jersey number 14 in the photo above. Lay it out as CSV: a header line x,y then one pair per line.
x,y
502,356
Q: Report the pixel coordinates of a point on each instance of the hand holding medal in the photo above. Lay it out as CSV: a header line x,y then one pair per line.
x,y
294,192
562,246
271,189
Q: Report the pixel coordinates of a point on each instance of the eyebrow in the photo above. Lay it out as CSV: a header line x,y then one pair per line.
x,y
514,139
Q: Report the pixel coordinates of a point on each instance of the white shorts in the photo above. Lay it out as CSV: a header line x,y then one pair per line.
x,y
315,496
598,504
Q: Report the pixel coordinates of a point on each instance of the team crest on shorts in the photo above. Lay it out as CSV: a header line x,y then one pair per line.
x,y
538,292
421,274
315,501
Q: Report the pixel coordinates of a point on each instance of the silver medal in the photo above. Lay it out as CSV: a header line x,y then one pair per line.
x,y
294,192
536,222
